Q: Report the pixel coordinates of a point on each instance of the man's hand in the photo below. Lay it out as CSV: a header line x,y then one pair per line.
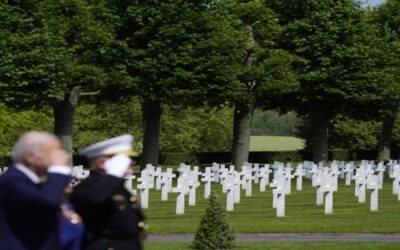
x,y
58,157
58,162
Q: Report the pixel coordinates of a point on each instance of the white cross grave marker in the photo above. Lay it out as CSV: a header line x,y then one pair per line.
x,y
318,182
237,182
279,193
299,180
166,183
182,190
381,170
248,178
193,184
144,186
157,175
348,170
328,187
264,174
396,179
373,183
207,178
228,188
360,181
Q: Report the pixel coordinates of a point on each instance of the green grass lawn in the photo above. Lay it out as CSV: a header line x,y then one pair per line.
x,y
275,143
256,215
286,246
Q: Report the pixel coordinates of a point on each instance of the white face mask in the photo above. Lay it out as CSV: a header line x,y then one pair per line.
x,y
118,165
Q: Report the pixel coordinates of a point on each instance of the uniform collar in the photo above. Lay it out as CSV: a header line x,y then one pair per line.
x,y
29,173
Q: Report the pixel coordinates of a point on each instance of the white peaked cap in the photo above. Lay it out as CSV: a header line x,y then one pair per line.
x,y
118,145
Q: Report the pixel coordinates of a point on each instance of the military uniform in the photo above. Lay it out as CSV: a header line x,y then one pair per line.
x,y
110,213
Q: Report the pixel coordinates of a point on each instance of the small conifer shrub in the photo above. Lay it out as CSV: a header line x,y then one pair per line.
x,y
214,231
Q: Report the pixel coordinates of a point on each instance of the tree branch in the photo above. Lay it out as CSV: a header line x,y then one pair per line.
x,y
90,93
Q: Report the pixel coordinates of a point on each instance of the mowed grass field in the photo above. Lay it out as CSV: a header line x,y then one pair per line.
x,y
286,246
276,143
256,215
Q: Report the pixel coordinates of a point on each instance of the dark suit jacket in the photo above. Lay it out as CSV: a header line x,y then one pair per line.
x,y
29,212
111,215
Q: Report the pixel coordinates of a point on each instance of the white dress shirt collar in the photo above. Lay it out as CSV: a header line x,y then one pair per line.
x,y
29,173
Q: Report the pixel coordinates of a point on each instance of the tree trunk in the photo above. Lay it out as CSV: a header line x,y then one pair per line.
x,y
64,112
242,119
243,114
152,112
385,139
319,128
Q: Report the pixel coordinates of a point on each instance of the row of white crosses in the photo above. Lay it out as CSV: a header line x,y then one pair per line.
x,y
231,180
324,178
152,177
187,184
78,173
282,184
366,178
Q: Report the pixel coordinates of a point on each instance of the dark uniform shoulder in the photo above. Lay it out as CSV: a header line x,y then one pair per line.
x,y
109,211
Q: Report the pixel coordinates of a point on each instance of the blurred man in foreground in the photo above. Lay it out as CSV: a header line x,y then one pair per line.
x,y
111,215
30,193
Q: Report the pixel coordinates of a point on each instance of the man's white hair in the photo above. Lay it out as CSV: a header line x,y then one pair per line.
x,y
30,142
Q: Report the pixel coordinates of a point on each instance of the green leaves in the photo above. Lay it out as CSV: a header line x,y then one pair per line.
x,y
13,124
177,50
336,49
266,71
46,48
214,231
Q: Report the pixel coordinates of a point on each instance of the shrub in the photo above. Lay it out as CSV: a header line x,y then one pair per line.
x,y
170,158
214,231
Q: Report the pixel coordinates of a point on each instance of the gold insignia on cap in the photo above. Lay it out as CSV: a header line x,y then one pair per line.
x,y
133,199
130,153
141,224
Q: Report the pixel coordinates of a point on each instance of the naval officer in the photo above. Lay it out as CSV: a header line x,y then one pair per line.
x,y
110,213
30,193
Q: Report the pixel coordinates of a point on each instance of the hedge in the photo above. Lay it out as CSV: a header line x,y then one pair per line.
x,y
167,158
175,158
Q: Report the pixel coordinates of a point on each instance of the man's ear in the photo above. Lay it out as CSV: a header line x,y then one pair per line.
x,y
29,158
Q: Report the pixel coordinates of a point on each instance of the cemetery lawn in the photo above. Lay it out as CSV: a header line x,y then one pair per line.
x,y
256,215
275,143
331,245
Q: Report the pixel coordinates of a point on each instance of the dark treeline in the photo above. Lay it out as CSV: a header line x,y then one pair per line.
x,y
190,75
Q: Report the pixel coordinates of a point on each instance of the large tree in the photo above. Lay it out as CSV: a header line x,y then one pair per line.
x,y
85,40
48,55
265,72
180,52
386,19
331,38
